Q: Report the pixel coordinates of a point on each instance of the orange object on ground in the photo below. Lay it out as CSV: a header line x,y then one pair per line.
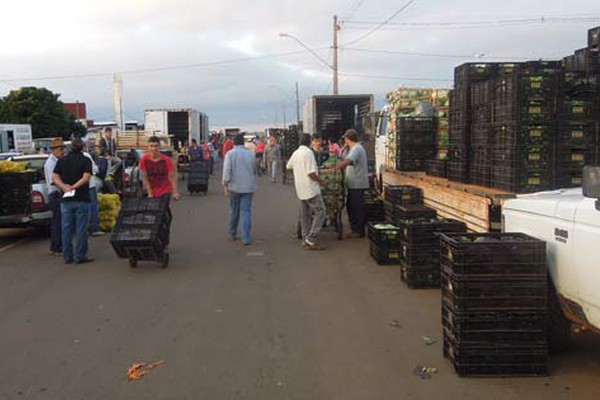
x,y
137,370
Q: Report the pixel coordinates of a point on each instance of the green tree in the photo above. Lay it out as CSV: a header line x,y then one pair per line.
x,y
40,108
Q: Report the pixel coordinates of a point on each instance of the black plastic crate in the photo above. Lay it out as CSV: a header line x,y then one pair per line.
x,y
530,111
436,167
530,157
578,109
492,248
518,179
473,72
458,171
384,233
156,204
420,256
199,167
514,134
494,287
384,255
569,178
426,230
420,278
575,158
403,194
416,125
594,38
472,326
580,134
396,213
127,241
15,190
416,164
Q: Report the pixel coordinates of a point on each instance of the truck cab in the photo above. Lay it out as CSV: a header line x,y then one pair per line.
x,y
381,145
569,222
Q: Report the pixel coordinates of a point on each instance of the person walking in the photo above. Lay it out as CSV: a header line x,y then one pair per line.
x,y
72,175
357,181
273,157
160,177
227,145
239,184
308,189
57,148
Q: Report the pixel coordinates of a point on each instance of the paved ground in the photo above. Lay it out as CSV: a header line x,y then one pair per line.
x,y
269,321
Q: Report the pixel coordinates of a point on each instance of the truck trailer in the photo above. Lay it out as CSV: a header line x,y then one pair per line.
x,y
182,125
331,115
16,138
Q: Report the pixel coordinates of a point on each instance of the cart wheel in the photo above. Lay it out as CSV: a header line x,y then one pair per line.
x,y
164,262
339,226
132,263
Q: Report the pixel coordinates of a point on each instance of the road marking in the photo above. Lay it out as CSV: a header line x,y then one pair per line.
x,y
10,246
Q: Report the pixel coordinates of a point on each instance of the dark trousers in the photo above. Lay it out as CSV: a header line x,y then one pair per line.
x,y
355,205
55,224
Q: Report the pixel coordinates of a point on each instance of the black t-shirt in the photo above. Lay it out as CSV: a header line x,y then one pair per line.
x,y
71,169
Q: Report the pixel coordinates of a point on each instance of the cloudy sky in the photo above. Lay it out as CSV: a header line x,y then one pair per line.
x,y
226,57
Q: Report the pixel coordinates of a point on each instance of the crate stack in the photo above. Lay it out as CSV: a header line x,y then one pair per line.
x,y
494,301
441,104
420,250
415,142
578,139
142,229
290,141
404,202
462,117
384,245
373,206
523,143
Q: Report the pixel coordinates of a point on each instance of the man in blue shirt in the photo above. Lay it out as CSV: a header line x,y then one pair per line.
x,y
239,184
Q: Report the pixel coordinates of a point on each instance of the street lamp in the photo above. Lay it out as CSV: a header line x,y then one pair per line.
x,y
311,51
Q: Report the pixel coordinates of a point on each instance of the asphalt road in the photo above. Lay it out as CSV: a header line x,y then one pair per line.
x,y
268,321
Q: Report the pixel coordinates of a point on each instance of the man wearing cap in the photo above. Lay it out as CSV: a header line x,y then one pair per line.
x,y
357,181
72,175
57,148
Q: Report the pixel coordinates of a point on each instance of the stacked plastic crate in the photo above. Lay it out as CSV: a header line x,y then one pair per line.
x,y
373,206
405,202
415,142
420,250
578,139
523,144
494,302
384,245
142,229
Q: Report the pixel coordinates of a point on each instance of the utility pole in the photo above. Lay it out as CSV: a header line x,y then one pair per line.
x,y
336,28
118,89
297,107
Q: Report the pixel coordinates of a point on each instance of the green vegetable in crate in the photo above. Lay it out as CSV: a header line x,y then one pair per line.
x,y
12,167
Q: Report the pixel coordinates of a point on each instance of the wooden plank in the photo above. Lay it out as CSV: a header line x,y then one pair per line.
x,y
453,201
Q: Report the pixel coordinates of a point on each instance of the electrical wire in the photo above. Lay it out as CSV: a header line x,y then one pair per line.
x,y
408,53
358,39
158,69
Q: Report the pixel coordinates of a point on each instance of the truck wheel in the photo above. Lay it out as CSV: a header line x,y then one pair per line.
x,y
559,327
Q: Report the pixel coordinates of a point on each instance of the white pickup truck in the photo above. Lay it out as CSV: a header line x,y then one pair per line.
x,y
569,221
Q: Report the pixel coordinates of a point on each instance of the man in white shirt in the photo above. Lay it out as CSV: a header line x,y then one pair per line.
x,y
95,186
308,188
57,148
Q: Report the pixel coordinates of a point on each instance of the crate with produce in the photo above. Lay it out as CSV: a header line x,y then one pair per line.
x,y
15,188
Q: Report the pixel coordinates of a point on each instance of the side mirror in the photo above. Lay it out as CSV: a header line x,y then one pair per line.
x,y
591,182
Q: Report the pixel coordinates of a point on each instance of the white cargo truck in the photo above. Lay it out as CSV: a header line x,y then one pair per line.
x,y
16,138
182,124
568,221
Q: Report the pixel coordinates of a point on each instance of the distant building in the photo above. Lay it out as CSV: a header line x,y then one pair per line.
x,y
78,111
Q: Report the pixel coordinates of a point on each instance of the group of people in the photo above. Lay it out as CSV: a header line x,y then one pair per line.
x,y
74,180
240,171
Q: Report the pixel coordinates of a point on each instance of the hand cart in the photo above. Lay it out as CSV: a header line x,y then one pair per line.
x,y
142,230
198,176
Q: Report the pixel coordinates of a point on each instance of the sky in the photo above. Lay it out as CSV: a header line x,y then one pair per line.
x,y
227,58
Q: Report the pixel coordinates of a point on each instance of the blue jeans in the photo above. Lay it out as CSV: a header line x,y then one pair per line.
x,y
94,211
355,205
75,214
240,204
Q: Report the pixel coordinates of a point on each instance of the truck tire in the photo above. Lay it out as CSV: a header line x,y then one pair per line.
x,y
559,327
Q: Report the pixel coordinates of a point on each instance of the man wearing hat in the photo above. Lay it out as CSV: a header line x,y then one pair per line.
x,y
57,150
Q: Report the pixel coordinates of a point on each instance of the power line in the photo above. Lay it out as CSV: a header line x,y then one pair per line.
x,y
158,69
397,78
355,9
473,24
404,7
407,53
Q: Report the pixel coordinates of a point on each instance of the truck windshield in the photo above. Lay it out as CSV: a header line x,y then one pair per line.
x,y
382,124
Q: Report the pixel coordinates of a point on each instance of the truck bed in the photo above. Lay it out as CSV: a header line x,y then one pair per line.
x,y
477,206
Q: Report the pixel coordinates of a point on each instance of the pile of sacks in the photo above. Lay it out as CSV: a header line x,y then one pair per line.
x,y
109,204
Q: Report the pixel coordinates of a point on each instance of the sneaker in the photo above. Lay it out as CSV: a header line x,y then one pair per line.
x,y
313,245
98,233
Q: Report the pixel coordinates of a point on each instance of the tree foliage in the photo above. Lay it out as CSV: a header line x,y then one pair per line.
x,y
40,108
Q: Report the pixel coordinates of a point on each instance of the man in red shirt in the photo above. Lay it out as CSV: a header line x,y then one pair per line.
x,y
160,178
227,145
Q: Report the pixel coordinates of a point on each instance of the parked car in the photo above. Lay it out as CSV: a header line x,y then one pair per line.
x,y
6,156
37,212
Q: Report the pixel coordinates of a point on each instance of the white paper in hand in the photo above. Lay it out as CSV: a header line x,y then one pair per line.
x,y
70,193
